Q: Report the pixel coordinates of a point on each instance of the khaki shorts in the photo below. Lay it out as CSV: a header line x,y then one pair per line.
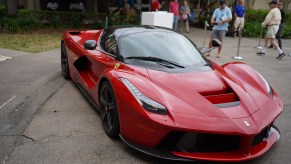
x,y
239,23
272,31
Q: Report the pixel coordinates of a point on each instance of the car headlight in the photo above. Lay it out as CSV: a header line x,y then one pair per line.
x,y
267,85
146,102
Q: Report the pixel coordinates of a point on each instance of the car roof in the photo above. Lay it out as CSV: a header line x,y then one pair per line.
x,y
120,31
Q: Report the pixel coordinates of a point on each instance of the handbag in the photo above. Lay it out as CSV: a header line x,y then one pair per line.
x,y
184,16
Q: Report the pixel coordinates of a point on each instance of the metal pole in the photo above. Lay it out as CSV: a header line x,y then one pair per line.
x,y
106,23
237,57
205,29
259,45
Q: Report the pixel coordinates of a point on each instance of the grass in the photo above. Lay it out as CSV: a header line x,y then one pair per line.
x,y
30,42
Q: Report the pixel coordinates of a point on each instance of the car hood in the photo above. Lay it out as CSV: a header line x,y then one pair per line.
x,y
194,88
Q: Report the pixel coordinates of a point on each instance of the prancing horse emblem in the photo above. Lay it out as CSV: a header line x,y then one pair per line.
x,y
247,124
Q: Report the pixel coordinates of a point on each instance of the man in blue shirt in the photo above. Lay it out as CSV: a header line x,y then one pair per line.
x,y
220,19
239,14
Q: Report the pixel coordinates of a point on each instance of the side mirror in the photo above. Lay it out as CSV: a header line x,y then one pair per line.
x,y
216,43
90,44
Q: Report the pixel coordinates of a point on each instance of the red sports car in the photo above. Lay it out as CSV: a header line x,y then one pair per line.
x,y
158,93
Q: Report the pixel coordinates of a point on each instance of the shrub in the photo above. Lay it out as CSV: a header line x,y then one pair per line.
x,y
2,14
254,19
19,24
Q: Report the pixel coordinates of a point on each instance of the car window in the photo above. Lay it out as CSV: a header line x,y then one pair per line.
x,y
166,45
109,44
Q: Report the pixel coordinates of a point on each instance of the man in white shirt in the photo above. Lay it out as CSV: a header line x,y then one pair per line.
x,y
272,22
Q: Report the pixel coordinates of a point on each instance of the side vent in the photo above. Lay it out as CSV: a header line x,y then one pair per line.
x,y
84,69
74,32
81,64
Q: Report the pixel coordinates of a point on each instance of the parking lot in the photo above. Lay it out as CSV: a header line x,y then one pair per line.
x,y
46,119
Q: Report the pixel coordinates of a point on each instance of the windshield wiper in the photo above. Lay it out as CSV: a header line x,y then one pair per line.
x,y
155,59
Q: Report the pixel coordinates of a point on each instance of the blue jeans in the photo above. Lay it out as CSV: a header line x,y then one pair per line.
x,y
175,23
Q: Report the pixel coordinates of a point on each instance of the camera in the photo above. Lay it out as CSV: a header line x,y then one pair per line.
x,y
215,23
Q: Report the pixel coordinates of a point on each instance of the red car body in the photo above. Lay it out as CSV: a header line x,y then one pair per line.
x,y
222,114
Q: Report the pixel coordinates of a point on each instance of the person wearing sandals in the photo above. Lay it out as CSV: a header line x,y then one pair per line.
x,y
184,13
220,19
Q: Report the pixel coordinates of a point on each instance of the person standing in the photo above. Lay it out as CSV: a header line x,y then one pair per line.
x,y
272,22
185,16
174,8
239,15
220,19
156,5
281,26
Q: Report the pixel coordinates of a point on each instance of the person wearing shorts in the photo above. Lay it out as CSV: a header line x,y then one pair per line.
x,y
239,15
281,27
220,19
272,23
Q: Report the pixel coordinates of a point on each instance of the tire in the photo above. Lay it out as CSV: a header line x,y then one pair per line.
x,y
64,62
109,110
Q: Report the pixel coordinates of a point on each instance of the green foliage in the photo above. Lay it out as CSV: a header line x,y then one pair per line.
x,y
254,19
2,13
33,19
19,24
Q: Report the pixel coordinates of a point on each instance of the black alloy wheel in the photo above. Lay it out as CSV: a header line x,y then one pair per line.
x,y
64,62
108,110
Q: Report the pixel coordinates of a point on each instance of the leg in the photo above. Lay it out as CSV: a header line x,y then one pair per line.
x,y
182,25
212,36
175,23
235,27
278,35
219,51
187,25
221,36
209,46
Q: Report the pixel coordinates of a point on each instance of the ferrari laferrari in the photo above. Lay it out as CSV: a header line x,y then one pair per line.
x,y
156,91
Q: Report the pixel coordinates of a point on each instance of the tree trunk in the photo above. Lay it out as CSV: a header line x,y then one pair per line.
x,y
250,4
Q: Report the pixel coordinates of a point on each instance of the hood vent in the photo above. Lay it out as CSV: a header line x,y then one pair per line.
x,y
223,99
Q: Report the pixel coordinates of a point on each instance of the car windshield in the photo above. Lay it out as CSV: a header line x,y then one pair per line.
x,y
164,45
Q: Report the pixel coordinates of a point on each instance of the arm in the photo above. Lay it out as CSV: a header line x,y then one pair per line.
x,y
213,17
267,19
161,5
229,17
234,12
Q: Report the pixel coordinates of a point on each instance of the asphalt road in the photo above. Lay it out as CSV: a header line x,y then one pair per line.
x,y
46,119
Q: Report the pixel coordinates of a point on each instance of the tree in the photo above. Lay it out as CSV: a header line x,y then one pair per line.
x,y
250,4
286,4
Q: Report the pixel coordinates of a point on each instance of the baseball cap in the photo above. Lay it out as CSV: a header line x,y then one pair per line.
x,y
273,2
222,1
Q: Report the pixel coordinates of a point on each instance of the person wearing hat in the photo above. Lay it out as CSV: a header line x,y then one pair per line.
x,y
272,23
220,19
281,27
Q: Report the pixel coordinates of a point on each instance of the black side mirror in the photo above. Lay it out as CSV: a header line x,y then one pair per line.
x,y
90,44
216,43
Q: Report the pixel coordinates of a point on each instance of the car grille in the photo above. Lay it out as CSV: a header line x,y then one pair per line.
x,y
201,142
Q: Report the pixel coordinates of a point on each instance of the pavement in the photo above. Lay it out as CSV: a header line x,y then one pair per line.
x,y
46,119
